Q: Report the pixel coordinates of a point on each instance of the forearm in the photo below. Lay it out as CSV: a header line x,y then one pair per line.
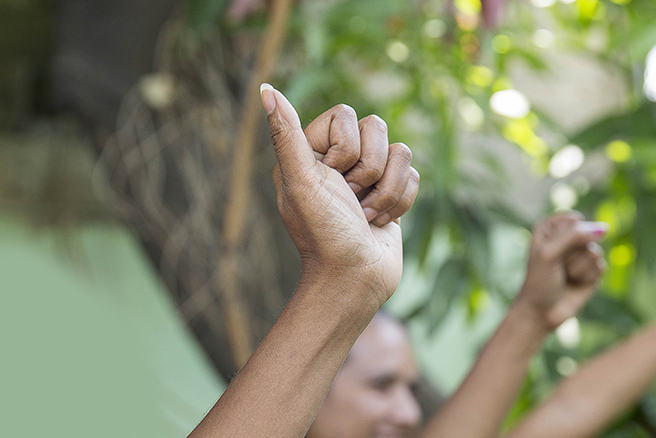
x,y
280,389
586,403
479,406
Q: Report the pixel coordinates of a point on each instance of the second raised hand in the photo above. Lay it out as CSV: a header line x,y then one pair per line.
x,y
317,201
565,265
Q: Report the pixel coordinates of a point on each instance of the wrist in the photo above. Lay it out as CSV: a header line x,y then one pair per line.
x,y
348,291
372,282
529,320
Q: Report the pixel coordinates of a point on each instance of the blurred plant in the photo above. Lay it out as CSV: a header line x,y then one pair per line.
x,y
439,72
433,71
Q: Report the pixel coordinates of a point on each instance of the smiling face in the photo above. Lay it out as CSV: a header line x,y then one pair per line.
x,y
373,395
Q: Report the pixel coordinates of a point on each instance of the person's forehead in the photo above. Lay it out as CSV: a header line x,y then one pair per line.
x,y
383,346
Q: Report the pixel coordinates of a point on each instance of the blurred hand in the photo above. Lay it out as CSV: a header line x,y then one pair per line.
x,y
564,267
318,173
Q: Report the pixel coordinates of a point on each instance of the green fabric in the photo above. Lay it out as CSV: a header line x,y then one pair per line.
x,y
91,345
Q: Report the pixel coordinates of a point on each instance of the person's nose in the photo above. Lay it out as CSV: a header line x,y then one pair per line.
x,y
407,413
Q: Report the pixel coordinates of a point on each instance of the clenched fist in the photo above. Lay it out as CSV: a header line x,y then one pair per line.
x,y
564,267
341,188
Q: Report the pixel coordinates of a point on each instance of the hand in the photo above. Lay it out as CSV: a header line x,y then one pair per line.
x,y
564,267
329,225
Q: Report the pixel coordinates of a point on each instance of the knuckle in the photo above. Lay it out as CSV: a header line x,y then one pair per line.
x,y
386,200
371,174
279,134
275,131
402,150
350,155
403,205
375,121
345,110
414,175
564,221
598,250
570,221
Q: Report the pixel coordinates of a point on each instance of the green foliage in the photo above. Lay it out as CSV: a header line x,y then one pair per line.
x,y
422,69
429,68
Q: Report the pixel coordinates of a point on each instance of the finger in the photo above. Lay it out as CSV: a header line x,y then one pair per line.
x,y
292,149
335,134
390,188
568,234
569,307
404,204
546,229
583,264
374,147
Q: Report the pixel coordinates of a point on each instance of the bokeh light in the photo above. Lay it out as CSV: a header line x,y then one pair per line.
x,y
397,51
471,113
434,28
566,161
650,75
566,366
563,196
543,3
480,76
543,38
569,333
618,151
621,255
501,44
158,90
510,103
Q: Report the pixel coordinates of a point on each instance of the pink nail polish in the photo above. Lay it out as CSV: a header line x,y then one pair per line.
x,y
597,229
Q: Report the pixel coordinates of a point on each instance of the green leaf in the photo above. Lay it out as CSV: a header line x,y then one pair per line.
x,y
449,283
639,123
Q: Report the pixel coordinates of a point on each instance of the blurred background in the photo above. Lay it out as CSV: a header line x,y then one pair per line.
x,y
141,253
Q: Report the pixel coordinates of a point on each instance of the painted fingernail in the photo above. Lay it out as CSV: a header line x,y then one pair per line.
x,y
598,229
383,219
370,213
356,188
268,99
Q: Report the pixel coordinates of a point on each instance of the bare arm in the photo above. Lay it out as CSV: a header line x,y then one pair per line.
x,y
480,404
587,402
351,256
281,387
562,274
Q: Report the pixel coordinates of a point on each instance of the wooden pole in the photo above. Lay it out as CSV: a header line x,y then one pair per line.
x,y
235,312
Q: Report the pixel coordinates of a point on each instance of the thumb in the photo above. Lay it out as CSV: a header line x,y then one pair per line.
x,y
292,149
